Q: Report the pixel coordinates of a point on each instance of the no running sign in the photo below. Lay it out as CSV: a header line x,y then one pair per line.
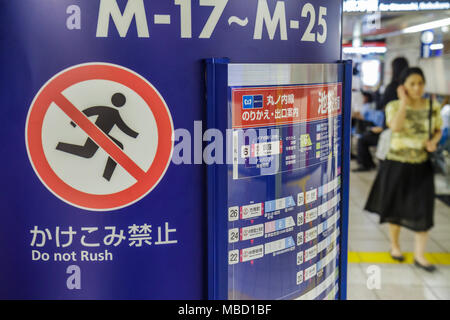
x,y
99,136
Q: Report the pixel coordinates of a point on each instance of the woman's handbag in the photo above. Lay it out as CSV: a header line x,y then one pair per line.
x,y
437,158
384,142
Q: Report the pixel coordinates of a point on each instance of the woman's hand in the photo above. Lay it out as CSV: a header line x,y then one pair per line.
x,y
357,115
376,129
403,95
396,124
431,145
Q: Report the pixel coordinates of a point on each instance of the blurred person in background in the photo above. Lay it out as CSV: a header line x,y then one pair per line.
x,y
445,114
403,190
359,122
445,140
371,124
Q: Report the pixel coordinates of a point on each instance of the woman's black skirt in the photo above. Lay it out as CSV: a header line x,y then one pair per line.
x,y
403,194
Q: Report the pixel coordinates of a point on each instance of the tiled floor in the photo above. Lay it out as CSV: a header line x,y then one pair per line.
x,y
400,281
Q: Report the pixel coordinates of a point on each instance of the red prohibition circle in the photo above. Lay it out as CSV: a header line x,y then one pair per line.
x,y
98,71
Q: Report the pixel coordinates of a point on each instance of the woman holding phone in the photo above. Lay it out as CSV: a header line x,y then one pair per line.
x,y
403,191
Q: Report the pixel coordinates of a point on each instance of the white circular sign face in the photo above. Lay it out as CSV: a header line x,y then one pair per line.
x,y
86,174
427,37
99,136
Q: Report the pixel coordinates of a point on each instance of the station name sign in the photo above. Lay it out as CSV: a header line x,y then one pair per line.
x,y
394,5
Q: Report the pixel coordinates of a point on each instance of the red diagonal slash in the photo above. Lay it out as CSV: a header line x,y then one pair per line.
x,y
99,137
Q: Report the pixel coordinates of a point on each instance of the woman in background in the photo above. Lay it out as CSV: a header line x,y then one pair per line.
x,y
403,191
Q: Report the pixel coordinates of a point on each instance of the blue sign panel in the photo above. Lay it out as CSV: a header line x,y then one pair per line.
x,y
281,194
104,107
394,5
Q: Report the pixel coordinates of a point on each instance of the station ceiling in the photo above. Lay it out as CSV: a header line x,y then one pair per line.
x,y
378,26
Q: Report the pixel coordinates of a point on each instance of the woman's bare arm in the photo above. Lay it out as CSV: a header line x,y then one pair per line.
x,y
396,124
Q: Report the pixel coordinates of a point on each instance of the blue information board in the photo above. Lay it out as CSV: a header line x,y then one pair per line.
x,y
103,191
278,209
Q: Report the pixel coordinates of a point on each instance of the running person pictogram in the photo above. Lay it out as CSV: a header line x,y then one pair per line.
x,y
107,118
